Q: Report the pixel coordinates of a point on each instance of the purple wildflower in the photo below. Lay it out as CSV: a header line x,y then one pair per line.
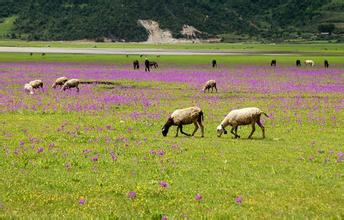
x,y
95,158
198,197
163,184
21,143
152,152
340,157
238,200
131,195
113,156
40,150
161,153
164,217
82,201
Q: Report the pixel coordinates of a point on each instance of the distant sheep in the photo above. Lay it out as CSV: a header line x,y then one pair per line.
x,y
273,63
211,84
238,117
309,63
72,83
182,117
298,63
59,82
31,86
28,88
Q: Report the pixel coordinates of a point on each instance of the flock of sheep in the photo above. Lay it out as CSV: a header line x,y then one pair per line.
x,y
192,115
62,82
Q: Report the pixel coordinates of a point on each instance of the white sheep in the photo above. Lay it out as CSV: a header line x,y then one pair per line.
x,y
28,88
32,85
211,84
59,82
182,117
244,116
72,83
309,62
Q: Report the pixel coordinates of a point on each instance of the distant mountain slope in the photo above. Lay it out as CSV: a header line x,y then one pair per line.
x,y
118,19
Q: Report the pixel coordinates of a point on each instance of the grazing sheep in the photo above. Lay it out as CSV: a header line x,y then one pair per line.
x,y
326,64
211,84
28,88
59,82
36,84
182,117
214,63
309,62
72,83
273,63
136,64
31,86
244,116
298,63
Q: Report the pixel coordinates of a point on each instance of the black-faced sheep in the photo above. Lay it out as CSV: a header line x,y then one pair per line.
x,y
72,83
182,117
238,117
211,84
59,82
298,63
273,63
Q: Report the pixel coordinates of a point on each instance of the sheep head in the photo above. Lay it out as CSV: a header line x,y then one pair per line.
x,y
220,129
167,126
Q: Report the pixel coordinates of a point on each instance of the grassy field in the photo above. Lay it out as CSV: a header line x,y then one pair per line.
x,y
169,60
320,47
99,153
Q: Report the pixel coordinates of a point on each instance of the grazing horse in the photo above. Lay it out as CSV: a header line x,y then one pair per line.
x,y
309,63
298,63
214,63
153,64
326,64
273,63
136,65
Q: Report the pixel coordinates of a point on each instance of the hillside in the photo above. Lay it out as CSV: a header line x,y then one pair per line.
x,y
117,20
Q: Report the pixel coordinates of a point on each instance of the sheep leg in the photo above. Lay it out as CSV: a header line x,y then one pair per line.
x,y
196,128
232,131
77,88
202,127
177,131
262,127
253,130
181,130
215,88
236,131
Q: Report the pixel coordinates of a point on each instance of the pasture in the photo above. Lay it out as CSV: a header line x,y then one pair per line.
x,y
100,153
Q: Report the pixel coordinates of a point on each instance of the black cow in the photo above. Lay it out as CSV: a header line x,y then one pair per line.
x,y
273,63
326,64
136,65
298,63
153,64
147,66
214,63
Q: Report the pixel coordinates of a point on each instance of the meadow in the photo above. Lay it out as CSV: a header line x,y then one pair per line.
x,y
100,153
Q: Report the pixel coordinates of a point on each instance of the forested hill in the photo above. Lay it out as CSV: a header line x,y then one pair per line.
x,y
117,19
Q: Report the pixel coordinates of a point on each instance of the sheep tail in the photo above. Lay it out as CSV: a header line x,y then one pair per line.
x,y
265,114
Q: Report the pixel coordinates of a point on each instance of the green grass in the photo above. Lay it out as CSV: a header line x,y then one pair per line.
x,y
285,176
168,60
